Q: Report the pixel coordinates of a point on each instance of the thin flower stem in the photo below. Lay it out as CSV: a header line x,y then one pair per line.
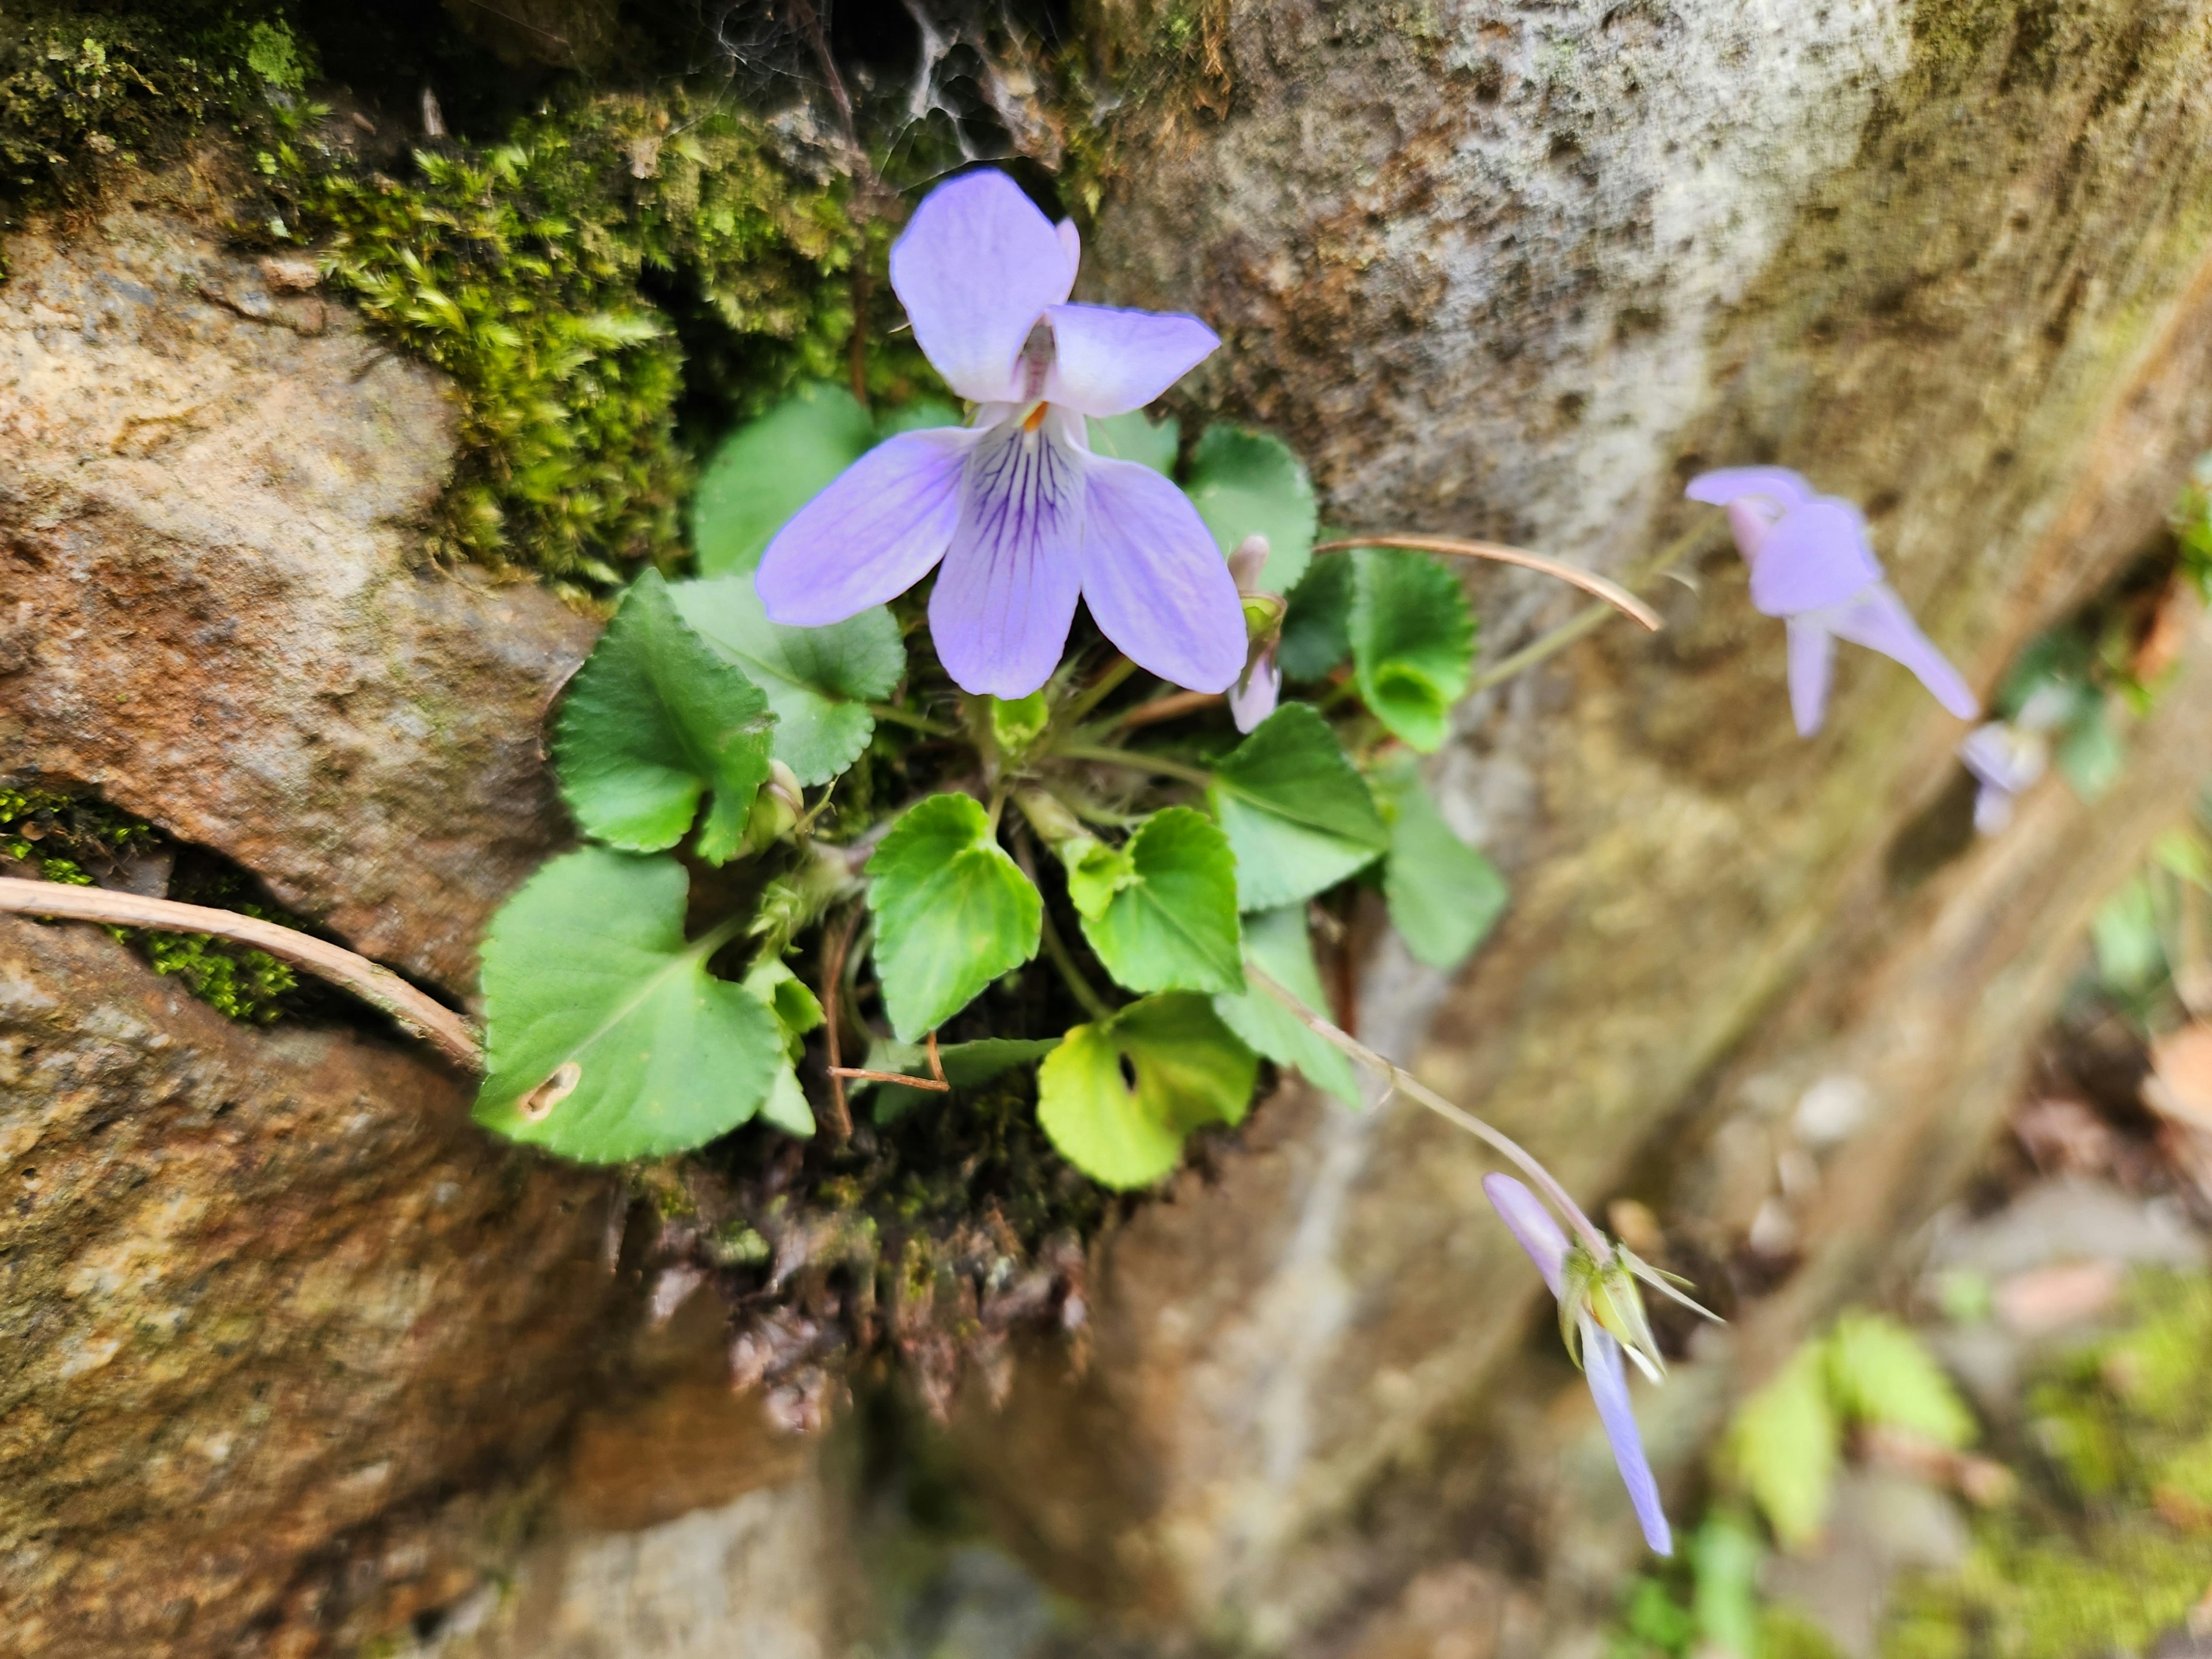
x,y
1404,1081
1612,592
375,985
1174,705
1092,694
836,942
1103,756
898,716
1063,960
1582,622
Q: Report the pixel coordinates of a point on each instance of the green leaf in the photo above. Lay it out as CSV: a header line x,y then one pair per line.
x,y
818,681
587,967
1171,925
2089,753
1413,641
1785,1445
2131,951
1318,626
1297,816
1249,484
654,720
785,1106
917,417
1131,437
1279,945
1879,1373
1725,1557
770,468
1444,896
952,913
1188,1070
1096,872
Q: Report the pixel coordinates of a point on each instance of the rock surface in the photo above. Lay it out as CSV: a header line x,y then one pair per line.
x,y
212,500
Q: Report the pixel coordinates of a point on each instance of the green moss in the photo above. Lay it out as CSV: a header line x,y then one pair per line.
x,y
563,278
66,838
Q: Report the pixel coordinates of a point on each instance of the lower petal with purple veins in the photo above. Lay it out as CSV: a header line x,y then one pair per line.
x,y
1155,581
1003,600
870,535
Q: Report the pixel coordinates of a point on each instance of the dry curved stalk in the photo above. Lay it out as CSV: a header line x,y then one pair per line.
x,y
377,985
1612,592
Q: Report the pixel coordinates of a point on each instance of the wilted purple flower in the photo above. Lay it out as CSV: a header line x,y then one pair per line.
x,y
1533,1227
1259,687
1022,514
1812,566
2005,759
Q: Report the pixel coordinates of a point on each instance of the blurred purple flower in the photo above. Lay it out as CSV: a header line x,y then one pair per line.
x,y
1810,565
1025,517
1532,1226
2005,759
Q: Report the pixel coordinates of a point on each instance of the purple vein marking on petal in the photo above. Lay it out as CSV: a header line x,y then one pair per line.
x,y
872,534
1003,602
976,267
1531,1224
1811,664
1815,554
1724,485
1608,1387
1106,361
1877,618
1155,579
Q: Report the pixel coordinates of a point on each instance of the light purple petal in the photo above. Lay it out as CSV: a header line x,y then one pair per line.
x,y
1811,665
1721,487
1992,809
1108,363
1876,618
1608,1386
1156,582
1996,754
1816,555
1252,699
1530,1223
1003,602
872,534
976,267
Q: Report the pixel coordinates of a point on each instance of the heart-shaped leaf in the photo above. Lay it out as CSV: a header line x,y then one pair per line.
x,y
770,468
1278,943
1171,924
1249,484
1316,626
607,1038
1131,437
656,719
1444,896
952,913
1297,815
818,681
1413,641
1187,1068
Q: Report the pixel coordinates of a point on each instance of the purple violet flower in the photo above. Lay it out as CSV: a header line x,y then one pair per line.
x,y
1812,566
1533,1229
1024,516
2005,760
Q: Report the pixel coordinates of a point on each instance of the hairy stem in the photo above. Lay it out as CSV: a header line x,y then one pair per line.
x,y
1612,592
1072,713
377,985
1405,1083
922,723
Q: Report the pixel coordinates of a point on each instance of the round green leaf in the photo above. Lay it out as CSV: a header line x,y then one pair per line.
x,y
1189,1069
1249,484
770,468
654,720
952,913
1316,626
1444,896
587,968
1171,925
1298,816
1413,641
1281,945
818,681
1131,437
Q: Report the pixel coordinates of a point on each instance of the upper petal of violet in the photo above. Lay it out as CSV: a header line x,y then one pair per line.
x,y
1726,483
1156,583
1815,554
976,267
1003,602
1530,1223
873,534
1106,361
